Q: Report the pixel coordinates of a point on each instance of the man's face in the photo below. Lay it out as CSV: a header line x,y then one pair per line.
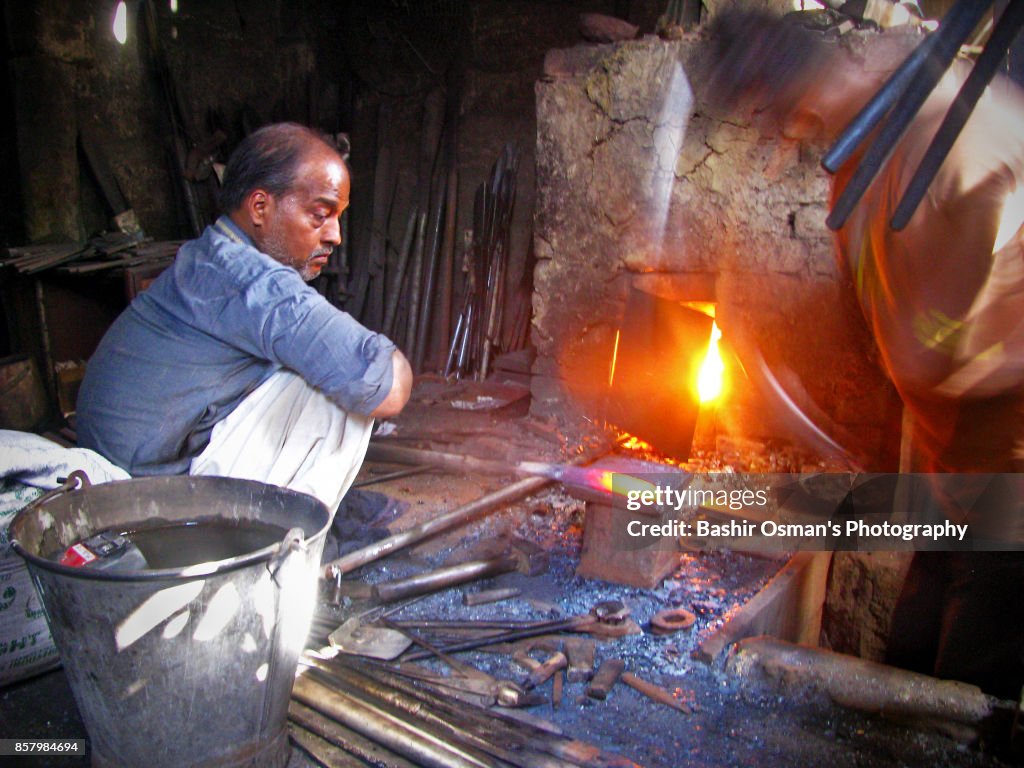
x,y
302,226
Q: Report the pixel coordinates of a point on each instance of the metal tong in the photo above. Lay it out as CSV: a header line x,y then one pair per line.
x,y
902,96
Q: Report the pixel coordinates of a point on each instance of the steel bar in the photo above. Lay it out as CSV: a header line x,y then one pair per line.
x,y
490,596
985,68
510,726
443,578
471,624
414,282
321,750
448,252
956,26
375,723
450,729
519,744
446,521
654,692
572,624
378,451
344,738
872,113
396,475
448,366
395,294
430,267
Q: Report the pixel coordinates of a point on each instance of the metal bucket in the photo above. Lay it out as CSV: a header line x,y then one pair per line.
x,y
179,667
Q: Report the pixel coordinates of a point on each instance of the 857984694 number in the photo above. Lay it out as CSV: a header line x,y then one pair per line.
x,y
15,747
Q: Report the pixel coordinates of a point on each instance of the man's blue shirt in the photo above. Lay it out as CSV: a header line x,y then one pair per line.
x,y
212,328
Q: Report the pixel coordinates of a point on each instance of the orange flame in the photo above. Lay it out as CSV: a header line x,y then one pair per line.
x,y
710,377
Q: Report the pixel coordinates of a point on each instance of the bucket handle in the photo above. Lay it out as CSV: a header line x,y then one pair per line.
x,y
294,539
74,481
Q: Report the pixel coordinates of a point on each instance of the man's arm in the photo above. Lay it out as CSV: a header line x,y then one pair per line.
x,y
401,388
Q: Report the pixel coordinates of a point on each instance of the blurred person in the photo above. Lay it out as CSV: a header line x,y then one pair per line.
x,y
944,300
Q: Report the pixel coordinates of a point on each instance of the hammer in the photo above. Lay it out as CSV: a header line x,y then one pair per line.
x,y
523,556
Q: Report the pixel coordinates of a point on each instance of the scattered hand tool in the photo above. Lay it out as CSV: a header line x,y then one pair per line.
x,y
580,652
556,690
605,616
543,672
468,680
489,596
355,638
524,556
654,692
475,686
605,678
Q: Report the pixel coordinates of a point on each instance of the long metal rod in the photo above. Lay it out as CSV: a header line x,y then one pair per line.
x,y
452,731
343,738
376,724
396,475
462,722
872,113
395,293
456,517
572,624
956,26
442,578
959,112
503,725
321,750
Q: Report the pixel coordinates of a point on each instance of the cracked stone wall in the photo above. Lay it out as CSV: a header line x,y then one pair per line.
x,y
640,186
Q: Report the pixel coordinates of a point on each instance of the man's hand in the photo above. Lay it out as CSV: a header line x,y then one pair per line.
x,y
401,388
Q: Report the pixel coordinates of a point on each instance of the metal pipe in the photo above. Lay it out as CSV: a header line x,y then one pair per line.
x,y
456,517
454,345
872,113
414,283
344,738
430,269
449,728
375,723
400,270
448,254
956,26
458,462
443,578
511,743
504,725
390,476
572,624
960,110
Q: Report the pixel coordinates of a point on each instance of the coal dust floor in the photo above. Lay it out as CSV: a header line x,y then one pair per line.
x,y
731,723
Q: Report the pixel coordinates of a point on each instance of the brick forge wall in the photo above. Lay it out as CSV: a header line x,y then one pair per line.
x,y
632,189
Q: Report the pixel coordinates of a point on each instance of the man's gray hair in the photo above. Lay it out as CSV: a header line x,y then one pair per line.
x,y
269,159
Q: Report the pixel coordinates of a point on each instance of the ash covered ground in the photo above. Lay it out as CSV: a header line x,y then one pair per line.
x,y
731,723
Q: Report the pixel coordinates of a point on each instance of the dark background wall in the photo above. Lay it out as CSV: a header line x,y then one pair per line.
x,y
187,86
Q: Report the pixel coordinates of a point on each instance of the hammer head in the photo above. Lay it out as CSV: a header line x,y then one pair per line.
x,y
530,558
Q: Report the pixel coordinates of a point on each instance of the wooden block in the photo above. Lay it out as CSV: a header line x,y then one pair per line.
x,y
609,553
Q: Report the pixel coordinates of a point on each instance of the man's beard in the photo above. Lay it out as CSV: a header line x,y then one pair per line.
x,y
278,252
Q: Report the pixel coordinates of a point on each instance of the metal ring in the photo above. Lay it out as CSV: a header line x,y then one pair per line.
x,y
673,620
